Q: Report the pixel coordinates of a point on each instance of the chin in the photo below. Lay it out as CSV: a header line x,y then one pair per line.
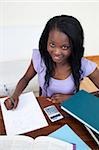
x,y
58,62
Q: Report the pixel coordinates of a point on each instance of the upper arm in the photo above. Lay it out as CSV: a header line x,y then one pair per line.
x,y
30,73
94,77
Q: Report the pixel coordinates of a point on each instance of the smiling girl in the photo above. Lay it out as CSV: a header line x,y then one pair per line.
x,y
58,62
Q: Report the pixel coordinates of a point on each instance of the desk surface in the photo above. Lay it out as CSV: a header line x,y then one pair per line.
x,y
78,127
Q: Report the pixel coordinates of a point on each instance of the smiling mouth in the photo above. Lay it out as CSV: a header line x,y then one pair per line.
x,y
56,58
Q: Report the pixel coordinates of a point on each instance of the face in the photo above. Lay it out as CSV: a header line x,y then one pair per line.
x,y
58,46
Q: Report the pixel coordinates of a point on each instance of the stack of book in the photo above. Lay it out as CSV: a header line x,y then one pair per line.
x,y
84,107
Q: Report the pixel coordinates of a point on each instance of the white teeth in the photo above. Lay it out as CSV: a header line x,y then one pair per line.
x,y
57,57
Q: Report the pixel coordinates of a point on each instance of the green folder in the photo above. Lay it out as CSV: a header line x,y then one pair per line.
x,y
84,107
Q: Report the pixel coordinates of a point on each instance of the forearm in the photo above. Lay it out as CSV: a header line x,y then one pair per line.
x,y
23,82
94,77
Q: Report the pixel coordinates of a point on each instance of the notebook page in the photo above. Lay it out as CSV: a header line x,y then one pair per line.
x,y
16,143
49,143
28,115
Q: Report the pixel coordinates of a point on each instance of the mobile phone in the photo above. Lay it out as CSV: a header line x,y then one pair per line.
x,y
53,113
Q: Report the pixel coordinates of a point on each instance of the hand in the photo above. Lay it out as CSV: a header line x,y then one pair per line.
x,y
58,98
11,103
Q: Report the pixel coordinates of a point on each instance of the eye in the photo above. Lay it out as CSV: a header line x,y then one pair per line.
x,y
52,45
65,47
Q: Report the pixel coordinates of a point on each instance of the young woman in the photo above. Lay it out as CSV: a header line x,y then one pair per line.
x,y
59,61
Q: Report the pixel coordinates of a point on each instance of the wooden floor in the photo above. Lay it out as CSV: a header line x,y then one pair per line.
x,y
86,84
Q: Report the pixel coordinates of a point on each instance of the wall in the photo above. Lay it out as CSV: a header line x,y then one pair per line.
x,y
22,21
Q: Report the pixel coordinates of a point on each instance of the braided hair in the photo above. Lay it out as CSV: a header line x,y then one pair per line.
x,y
73,29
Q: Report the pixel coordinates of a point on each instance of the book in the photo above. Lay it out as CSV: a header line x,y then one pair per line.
x,y
93,134
84,107
22,142
95,93
65,133
28,115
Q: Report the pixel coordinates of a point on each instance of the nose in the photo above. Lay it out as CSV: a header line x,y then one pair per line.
x,y
57,51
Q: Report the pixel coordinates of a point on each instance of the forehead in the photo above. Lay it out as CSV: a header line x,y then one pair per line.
x,y
58,36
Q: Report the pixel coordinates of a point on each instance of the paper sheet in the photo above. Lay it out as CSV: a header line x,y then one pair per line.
x,y
28,115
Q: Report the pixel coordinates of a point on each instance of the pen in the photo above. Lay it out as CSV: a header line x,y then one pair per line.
x,y
8,94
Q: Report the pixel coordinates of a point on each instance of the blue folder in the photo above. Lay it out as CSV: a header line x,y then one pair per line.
x,y
65,133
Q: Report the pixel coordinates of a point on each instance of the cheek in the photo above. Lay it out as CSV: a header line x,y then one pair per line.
x,y
49,49
67,54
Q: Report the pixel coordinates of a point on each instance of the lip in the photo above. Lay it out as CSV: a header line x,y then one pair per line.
x,y
57,58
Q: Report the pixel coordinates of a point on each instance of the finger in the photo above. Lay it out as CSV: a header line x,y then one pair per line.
x,y
55,97
49,99
8,104
55,101
15,104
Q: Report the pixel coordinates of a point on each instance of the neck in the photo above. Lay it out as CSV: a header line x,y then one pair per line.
x,y
64,64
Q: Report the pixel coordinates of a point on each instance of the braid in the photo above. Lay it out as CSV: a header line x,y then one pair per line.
x,y
73,29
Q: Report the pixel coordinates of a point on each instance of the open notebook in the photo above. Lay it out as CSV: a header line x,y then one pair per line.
x,y
21,142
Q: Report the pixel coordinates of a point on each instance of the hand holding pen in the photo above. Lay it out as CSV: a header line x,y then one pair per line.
x,y
10,102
